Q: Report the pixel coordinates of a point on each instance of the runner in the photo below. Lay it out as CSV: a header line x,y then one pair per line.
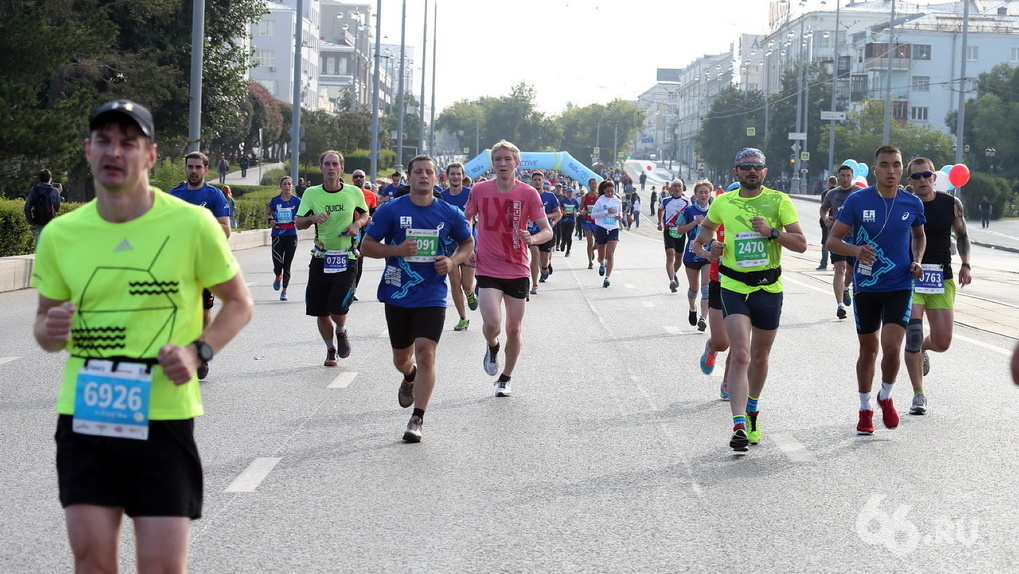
x,y
371,199
888,243
606,213
718,340
587,222
461,277
541,255
569,222
120,282
670,217
830,205
934,294
758,222
411,233
503,207
338,212
697,267
280,214
389,191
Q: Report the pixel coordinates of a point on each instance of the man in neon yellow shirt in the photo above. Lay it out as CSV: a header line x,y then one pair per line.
x,y
758,222
120,282
339,212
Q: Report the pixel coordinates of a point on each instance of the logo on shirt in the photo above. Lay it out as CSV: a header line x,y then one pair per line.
x,y
123,246
905,216
869,215
406,222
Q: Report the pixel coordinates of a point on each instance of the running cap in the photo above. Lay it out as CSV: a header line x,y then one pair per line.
x,y
675,181
748,152
137,113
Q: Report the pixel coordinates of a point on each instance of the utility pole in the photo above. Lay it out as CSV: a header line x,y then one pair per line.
x,y
197,62
295,118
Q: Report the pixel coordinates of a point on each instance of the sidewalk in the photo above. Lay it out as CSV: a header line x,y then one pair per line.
x,y
235,178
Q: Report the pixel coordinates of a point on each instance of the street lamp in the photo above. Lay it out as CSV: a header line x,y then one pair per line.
x,y
990,153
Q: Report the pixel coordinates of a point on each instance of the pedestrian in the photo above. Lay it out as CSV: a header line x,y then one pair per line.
x,y
886,223
280,215
985,213
231,204
411,233
41,204
823,265
759,222
654,200
224,168
339,212
642,179
635,211
244,163
119,283
371,199
503,207
606,214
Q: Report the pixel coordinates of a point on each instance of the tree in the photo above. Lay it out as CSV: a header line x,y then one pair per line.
x,y
725,128
992,121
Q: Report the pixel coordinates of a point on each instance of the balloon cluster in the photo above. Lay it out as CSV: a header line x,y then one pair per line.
x,y
950,177
860,172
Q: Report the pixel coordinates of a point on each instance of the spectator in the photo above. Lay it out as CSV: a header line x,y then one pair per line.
x,y
42,204
224,167
244,163
229,194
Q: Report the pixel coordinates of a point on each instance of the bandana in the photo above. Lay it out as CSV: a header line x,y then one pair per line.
x,y
748,152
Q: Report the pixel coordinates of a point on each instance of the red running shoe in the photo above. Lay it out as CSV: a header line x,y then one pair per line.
x,y
866,424
888,414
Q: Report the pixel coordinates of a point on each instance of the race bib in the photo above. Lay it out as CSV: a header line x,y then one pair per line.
x,y
111,402
284,215
335,261
428,245
674,233
609,220
932,281
751,249
569,209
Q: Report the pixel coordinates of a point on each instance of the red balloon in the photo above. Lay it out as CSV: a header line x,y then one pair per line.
x,y
958,175
860,184
649,168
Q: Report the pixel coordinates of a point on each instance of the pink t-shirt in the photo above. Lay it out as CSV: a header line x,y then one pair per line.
x,y
501,252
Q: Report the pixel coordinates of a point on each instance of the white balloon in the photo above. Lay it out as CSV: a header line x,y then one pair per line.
x,y
941,181
860,180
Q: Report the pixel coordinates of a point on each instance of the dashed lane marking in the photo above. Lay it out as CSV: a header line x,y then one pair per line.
x,y
792,448
342,380
252,476
7,359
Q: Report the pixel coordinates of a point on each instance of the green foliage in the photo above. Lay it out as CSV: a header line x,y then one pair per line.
x,y
168,173
359,159
981,185
724,130
992,121
15,233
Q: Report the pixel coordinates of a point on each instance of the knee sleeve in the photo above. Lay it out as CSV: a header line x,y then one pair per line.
x,y
914,336
704,291
691,293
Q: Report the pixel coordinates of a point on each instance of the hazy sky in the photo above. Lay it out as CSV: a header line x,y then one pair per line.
x,y
579,51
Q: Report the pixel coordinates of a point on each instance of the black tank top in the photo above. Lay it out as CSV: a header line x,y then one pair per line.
x,y
940,214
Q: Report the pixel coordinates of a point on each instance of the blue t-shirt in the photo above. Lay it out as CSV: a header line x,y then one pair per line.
x,y
886,225
571,207
206,196
689,214
390,190
459,200
415,283
283,212
551,202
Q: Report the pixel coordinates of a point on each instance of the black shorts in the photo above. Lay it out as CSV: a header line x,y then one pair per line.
x,y
329,293
161,476
603,236
763,308
677,243
516,288
697,265
714,295
849,259
207,299
547,246
876,308
409,323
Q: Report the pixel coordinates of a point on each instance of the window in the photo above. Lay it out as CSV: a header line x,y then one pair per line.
x,y
265,58
972,53
922,52
267,28
899,110
922,83
876,50
918,113
1015,55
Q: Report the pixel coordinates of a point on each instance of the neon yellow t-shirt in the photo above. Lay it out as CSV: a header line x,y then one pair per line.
x,y
137,286
746,250
340,205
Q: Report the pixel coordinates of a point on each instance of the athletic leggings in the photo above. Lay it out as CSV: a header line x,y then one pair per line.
x,y
283,249
566,235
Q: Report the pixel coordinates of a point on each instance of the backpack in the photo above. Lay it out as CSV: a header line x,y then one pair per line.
x,y
43,208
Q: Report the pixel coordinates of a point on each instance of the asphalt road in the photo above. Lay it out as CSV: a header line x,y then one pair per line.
x,y
611,456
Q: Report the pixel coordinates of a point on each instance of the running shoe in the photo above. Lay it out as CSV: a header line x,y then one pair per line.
x,y
919,405
866,424
692,318
406,395
590,264
888,414
926,363
702,325
283,296
754,431
821,268
276,284
461,325
550,270
472,301
534,289
544,275
567,254
605,283
601,269
413,432
502,389
330,358
203,371
723,391
739,441
673,285
840,312
342,345
491,362
708,364
847,297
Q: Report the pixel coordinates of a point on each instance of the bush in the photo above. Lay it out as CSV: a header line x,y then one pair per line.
x,y
995,188
15,233
168,173
359,159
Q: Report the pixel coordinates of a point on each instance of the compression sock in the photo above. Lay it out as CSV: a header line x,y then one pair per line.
x,y
752,404
739,422
865,402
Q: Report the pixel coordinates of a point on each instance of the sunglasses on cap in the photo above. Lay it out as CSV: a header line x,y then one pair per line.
x,y
921,175
750,166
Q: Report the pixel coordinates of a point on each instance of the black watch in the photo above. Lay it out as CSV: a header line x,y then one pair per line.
x,y
204,350
774,233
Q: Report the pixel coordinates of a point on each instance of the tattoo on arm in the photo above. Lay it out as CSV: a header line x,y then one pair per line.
x,y
961,235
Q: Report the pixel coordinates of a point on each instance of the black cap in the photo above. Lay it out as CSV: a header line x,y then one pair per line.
x,y
136,112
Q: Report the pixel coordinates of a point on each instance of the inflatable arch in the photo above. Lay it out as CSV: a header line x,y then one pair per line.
x,y
560,160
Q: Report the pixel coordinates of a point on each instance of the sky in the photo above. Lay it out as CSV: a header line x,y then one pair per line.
x,y
579,51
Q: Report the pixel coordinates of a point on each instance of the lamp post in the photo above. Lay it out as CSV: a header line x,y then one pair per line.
x,y
374,128
990,153
403,73
421,102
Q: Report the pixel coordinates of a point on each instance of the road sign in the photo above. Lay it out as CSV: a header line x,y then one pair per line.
x,y
838,116
797,135
467,150
805,156
795,147
597,151
751,132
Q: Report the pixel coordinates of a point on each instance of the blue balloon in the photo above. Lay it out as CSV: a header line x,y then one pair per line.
x,y
851,163
732,186
861,170
946,169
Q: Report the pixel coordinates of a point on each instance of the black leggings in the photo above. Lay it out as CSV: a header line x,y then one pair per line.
x,y
566,235
283,249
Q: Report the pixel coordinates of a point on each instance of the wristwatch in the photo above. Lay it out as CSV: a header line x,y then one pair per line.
x,y
204,350
774,233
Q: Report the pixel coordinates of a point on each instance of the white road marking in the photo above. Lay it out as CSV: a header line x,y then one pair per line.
x,y
7,359
647,304
252,476
1006,352
384,334
792,448
671,329
786,278
629,285
342,380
